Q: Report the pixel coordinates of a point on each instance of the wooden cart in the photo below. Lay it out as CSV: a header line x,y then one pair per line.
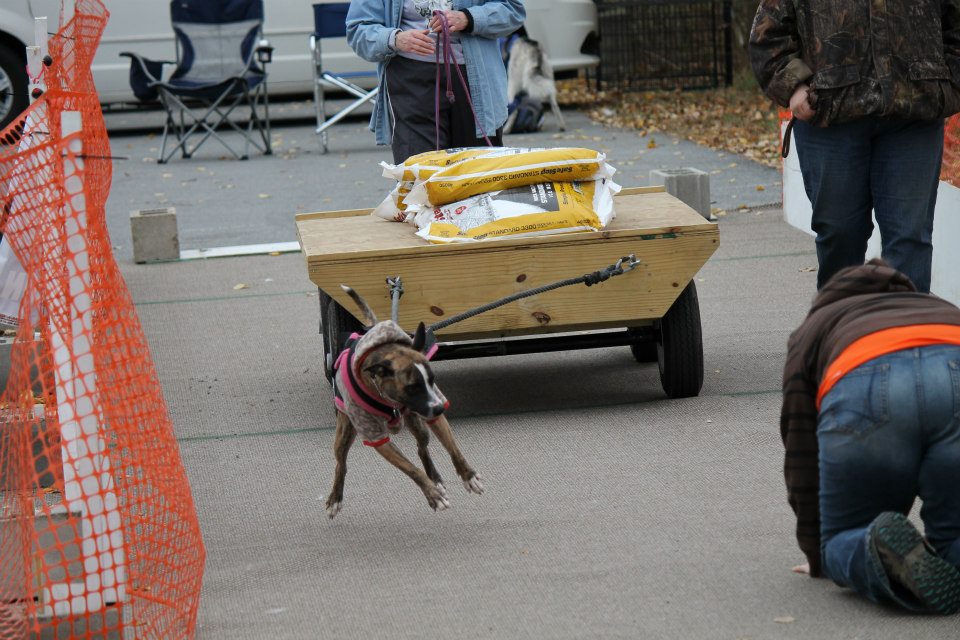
x,y
652,309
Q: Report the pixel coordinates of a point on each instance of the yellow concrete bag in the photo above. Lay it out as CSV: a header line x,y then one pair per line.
x,y
415,168
508,168
529,211
422,165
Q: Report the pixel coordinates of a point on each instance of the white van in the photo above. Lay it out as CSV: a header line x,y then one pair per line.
x,y
567,29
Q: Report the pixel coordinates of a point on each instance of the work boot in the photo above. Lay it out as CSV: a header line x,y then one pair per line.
x,y
911,563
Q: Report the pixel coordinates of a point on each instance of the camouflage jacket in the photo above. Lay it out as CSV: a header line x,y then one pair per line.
x,y
897,58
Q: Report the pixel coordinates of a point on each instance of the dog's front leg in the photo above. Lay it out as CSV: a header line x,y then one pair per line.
x,y
342,442
435,498
415,424
471,480
511,119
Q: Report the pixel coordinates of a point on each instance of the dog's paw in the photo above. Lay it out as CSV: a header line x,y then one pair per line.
x,y
442,489
474,484
437,499
333,508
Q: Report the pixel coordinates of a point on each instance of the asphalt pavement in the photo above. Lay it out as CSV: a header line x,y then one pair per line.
x,y
610,511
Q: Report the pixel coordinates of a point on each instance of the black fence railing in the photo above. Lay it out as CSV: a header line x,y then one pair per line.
x,y
664,44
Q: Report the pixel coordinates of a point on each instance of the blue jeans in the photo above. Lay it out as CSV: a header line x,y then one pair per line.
x,y
888,432
888,165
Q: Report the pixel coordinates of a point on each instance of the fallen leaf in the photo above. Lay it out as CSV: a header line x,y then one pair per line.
x,y
274,253
239,286
652,144
263,196
760,187
785,619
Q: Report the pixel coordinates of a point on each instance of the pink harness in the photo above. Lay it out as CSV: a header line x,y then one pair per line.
x,y
383,410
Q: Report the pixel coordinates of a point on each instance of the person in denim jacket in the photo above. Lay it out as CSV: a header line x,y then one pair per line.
x,y
869,85
402,37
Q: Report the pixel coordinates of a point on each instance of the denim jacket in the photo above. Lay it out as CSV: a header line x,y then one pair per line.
x,y
370,23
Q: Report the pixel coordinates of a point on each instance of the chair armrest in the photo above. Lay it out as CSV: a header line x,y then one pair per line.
x,y
145,74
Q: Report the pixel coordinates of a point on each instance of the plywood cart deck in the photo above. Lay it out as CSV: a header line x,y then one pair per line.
x,y
654,306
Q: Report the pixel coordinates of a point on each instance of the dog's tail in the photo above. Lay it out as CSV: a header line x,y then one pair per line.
x,y
369,318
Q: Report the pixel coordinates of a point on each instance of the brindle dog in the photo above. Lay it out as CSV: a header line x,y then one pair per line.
x,y
393,370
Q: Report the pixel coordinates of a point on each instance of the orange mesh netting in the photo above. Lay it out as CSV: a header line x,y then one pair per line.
x,y
951,152
98,532
951,148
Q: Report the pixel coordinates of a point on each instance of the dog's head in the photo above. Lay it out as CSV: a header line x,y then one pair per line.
x,y
402,374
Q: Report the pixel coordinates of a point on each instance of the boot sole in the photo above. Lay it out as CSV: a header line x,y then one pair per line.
x,y
933,580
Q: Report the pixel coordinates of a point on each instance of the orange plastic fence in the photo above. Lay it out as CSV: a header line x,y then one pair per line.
x,y
951,148
951,152
98,532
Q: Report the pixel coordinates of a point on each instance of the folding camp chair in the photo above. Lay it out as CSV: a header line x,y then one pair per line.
x,y
220,66
329,21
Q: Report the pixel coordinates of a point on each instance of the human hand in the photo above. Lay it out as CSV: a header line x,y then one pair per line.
x,y
800,104
456,20
802,568
416,41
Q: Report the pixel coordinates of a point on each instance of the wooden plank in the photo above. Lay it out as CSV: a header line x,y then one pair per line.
x,y
345,213
364,238
633,191
672,241
440,286
325,215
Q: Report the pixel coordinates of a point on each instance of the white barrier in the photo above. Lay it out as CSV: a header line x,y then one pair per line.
x,y
946,226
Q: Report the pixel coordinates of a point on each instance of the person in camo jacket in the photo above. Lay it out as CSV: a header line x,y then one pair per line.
x,y
870,421
869,85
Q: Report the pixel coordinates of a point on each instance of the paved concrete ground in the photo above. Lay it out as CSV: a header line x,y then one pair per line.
x,y
610,511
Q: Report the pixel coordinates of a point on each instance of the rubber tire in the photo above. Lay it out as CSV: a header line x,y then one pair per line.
x,y
340,325
645,350
15,69
680,347
324,303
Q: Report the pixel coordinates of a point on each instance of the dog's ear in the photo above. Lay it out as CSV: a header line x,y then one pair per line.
x,y
379,369
420,337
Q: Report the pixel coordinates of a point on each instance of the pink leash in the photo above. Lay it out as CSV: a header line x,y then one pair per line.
x,y
448,57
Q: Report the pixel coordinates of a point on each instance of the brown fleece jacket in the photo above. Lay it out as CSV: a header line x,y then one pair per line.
x,y
856,302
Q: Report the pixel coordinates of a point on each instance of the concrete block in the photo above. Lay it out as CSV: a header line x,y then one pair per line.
x,y
155,236
55,552
690,186
44,449
6,351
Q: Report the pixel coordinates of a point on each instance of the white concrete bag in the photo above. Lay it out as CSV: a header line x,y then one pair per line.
x,y
523,212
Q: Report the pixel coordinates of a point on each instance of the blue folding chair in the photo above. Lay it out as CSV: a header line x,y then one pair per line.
x,y
220,66
330,21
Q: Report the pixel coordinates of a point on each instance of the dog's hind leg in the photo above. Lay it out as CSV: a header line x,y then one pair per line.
x,y
555,107
435,498
415,425
342,442
471,480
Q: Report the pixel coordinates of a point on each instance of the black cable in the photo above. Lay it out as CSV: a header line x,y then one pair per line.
x,y
588,279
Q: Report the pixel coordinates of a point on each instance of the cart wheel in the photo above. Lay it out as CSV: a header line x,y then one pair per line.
x,y
645,348
324,304
680,346
340,324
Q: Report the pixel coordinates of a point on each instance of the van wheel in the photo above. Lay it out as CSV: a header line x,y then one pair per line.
x,y
13,86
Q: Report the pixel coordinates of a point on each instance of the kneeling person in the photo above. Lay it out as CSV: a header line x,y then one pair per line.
x,y
871,399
